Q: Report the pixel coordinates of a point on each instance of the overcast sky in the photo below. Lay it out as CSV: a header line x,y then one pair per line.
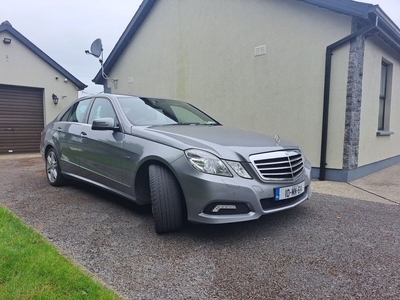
x,y
65,29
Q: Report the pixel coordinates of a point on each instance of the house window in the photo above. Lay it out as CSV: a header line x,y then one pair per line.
x,y
382,96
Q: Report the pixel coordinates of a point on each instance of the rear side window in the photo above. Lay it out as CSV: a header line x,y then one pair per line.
x,y
66,115
77,112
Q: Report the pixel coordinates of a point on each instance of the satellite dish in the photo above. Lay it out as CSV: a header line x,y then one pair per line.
x,y
97,48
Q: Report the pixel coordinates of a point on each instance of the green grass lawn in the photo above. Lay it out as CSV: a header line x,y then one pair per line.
x,y
31,268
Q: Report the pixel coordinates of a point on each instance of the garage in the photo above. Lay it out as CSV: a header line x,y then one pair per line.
x,y
21,119
29,81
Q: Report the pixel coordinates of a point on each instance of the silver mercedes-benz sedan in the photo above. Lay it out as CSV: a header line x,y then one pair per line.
x,y
171,155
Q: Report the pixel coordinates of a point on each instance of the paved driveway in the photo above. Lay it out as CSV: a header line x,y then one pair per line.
x,y
329,247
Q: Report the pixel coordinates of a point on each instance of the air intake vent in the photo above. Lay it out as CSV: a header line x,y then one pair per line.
x,y
279,165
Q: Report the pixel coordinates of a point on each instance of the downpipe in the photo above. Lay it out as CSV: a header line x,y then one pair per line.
x,y
327,85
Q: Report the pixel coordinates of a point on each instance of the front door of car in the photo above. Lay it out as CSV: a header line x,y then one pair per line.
x,y
100,158
69,130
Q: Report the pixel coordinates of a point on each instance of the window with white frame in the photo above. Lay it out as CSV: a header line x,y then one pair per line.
x,y
384,96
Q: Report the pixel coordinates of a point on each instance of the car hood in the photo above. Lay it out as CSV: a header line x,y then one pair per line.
x,y
225,142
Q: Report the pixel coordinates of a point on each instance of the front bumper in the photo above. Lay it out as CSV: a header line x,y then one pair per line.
x,y
215,199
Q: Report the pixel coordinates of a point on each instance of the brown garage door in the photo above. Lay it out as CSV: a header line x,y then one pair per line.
x,y
21,119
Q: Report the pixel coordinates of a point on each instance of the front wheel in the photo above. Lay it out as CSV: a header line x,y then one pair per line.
x,y
165,199
53,169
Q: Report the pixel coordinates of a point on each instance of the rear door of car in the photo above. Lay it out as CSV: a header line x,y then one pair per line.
x,y
69,132
100,158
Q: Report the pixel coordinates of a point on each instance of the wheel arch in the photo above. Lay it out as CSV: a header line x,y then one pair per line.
x,y
50,145
47,148
142,182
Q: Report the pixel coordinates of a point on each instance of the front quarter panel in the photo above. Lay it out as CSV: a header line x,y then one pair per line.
x,y
138,151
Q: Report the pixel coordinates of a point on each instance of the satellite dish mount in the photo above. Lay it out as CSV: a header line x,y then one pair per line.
x,y
96,49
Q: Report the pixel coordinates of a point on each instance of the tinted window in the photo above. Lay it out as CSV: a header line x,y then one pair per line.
x,y
78,111
66,115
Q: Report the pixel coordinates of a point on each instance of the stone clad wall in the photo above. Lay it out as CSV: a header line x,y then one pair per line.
x,y
353,100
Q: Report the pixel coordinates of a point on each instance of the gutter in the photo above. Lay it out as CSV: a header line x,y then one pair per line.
x,y
327,84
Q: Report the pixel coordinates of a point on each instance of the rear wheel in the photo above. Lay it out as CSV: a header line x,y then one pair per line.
x,y
53,169
165,199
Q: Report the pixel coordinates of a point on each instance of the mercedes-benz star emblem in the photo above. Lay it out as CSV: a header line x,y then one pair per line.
x,y
277,139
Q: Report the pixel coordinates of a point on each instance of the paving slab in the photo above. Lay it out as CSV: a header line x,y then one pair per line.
x,y
385,183
382,187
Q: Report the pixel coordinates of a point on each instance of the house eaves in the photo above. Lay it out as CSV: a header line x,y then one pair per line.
x,y
125,39
6,27
389,32
347,7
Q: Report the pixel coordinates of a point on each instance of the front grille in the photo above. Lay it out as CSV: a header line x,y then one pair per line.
x,y
241,208
270,203
279,165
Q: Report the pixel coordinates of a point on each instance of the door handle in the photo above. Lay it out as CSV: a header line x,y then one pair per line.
x,y
83,135
59,129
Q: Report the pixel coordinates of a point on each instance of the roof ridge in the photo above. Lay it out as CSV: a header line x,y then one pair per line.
x,y
6,22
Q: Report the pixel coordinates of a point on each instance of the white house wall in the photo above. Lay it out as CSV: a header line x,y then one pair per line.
x,y
372,147
21,67
204,52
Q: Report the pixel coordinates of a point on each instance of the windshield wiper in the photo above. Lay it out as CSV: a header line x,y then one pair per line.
x,y
197,123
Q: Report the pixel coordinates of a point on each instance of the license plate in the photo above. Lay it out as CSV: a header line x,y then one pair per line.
x,y
289,191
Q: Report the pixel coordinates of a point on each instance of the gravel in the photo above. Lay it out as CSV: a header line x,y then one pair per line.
x,y
328,247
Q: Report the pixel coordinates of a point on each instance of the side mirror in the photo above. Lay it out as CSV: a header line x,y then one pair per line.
x,y
104,124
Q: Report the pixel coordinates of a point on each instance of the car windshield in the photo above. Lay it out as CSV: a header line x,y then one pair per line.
x,y
146,111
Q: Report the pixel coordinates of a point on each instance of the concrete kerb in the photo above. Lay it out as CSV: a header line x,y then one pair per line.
x,y
19,156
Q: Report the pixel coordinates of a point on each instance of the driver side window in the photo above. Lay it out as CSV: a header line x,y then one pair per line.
x,y
102,108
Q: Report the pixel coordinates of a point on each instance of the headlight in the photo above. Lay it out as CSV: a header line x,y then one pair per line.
x,y
239,169
207,163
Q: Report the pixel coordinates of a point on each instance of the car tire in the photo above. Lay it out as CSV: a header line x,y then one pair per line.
x,y
166,199
53,170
